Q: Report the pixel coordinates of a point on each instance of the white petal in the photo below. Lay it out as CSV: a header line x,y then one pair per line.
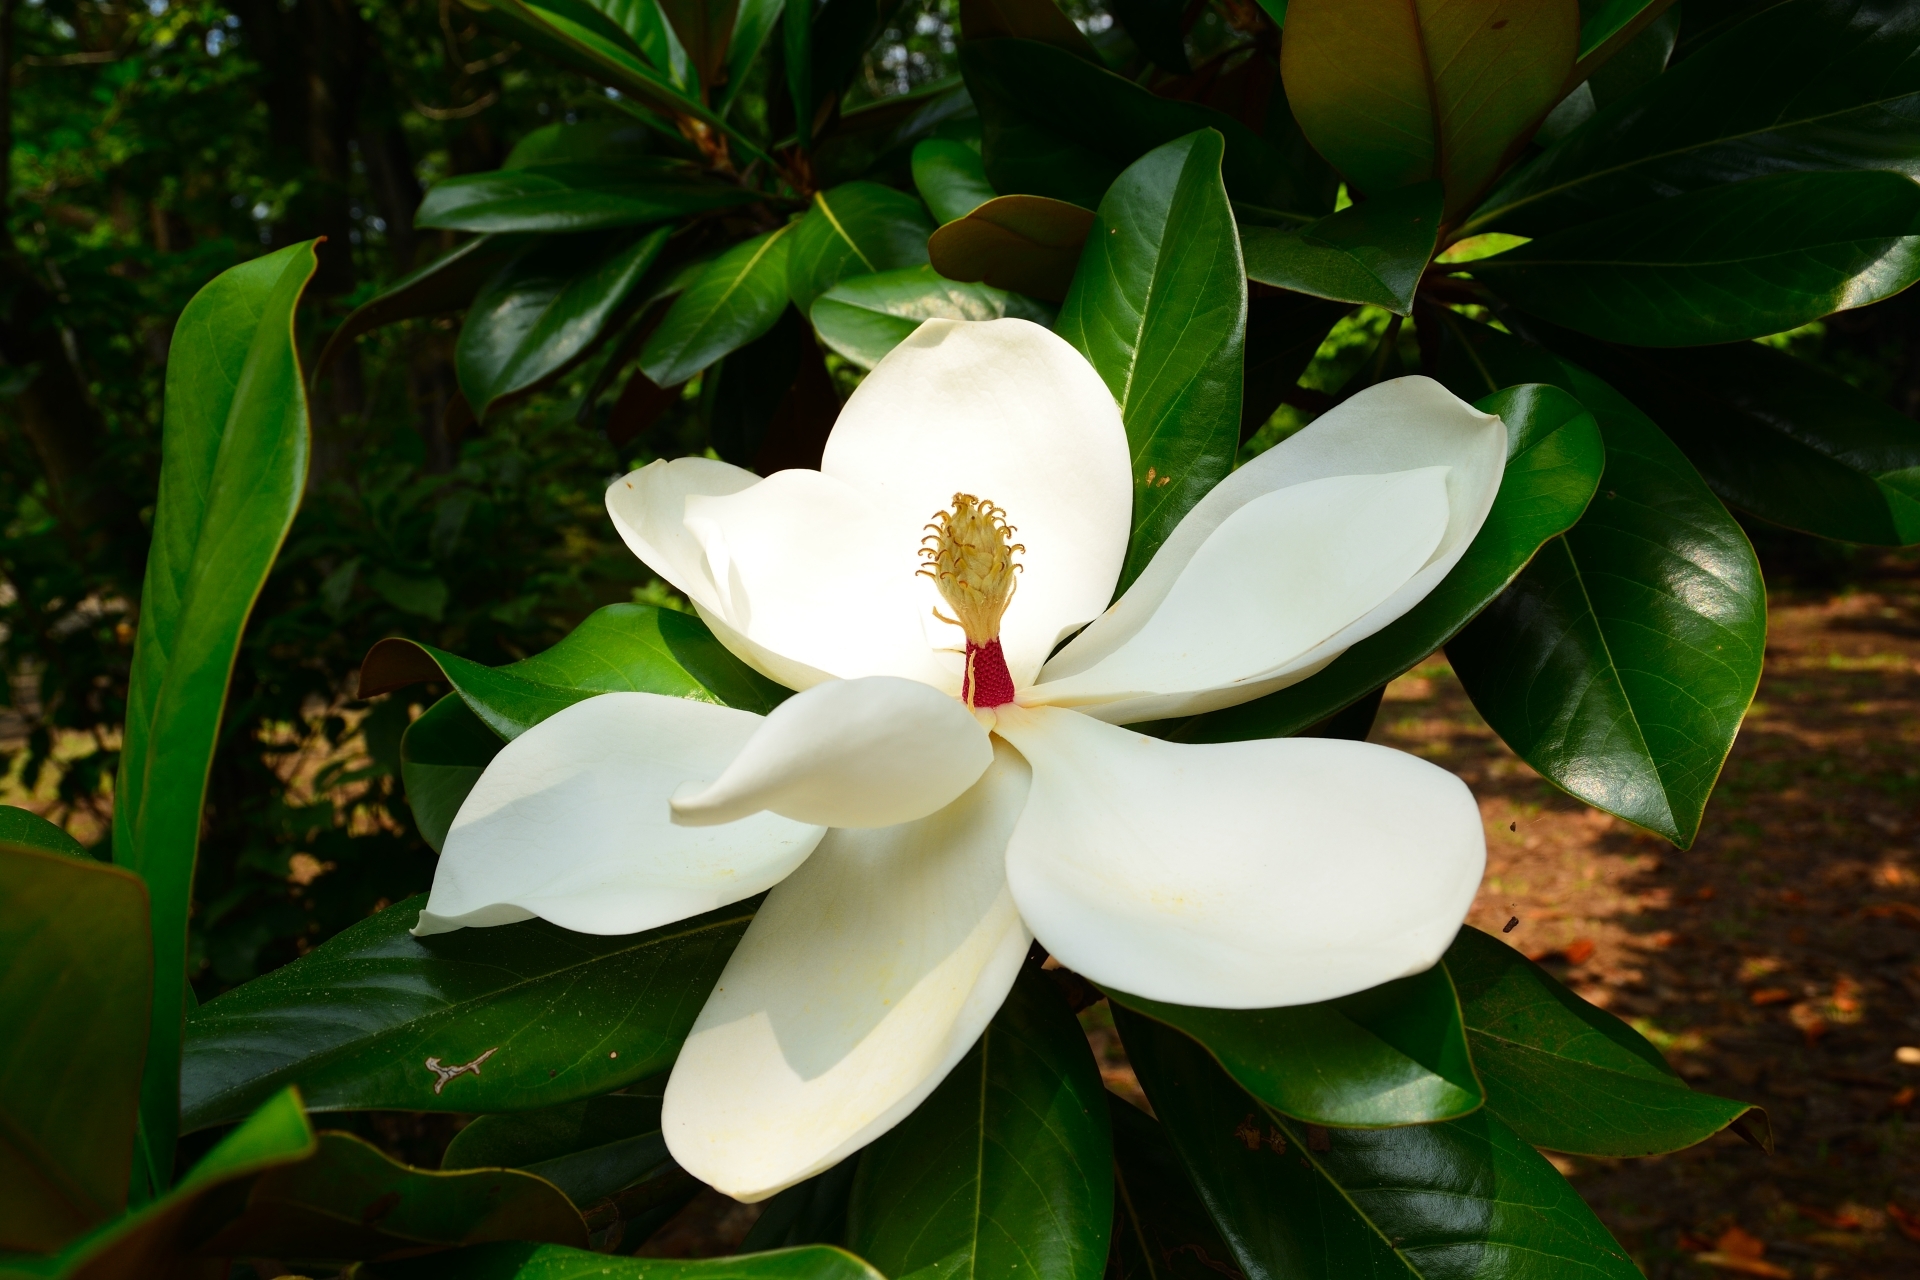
x,y
815,576
1008,411
1279,577
1407,424
864,979
648,507
871,752
570,822
1239,875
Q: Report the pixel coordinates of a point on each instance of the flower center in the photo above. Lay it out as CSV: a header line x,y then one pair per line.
x,y
969,555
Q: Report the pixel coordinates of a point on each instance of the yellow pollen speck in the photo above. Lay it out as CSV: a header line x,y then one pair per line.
x,y
969,554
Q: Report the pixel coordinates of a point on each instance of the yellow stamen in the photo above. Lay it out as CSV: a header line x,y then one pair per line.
x,y
969,555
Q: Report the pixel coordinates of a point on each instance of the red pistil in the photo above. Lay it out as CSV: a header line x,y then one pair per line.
x,y
987,682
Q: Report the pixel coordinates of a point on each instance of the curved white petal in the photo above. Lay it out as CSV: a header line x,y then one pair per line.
x,y
648,507
570,823
1408,424
1239,875
863,980
1008,411
871,752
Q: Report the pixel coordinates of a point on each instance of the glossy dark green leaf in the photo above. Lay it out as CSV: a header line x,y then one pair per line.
x,y
233,466
705,28
868,316
545,309
1157,28
555,1262
1554,461
1722,264
1567,1076
620,648
511,1018
1038,20
448,283
574,196
442,755
1368,253
1161,1230
76,976
811,1212
1284,330
879,137
1779,438
589,1149
156,1239
756,21
349,1201
1027,244
1620,662
950,177
613,144
1396,1054
854,229
1608,26
1056,125
797,58
24,827
1812,84
1395,93
736,298
1159,306
1007,1169
1435,1201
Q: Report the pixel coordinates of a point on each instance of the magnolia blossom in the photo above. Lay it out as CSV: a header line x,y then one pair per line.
x,y
944,787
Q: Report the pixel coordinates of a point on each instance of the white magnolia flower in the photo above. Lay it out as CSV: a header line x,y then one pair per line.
x,y
940,791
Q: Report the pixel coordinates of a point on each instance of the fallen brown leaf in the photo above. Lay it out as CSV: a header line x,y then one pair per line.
x,y
1771,995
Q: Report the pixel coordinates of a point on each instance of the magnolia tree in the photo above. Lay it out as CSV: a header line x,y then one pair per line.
x,y
1035,674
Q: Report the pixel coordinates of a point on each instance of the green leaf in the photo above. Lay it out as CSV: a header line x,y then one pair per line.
x,y
1567,1076
1007,1169
1620,662
1396,93
442,755
797,59
810,1212
705,28
879,137
1056,125
24,827
854,229
156,1239
843,31
1026,244
950,178
620,648
448,283
736,298
233,465
1437,1201
76,975
1396,1054
1777,437
755,23
589,1149
1159,306
1161,1230
1284,331
350,1202
545,309
868,316
648,33
535,1014
1368,253
1818,84
1722,264
1156,27
1554,461
575,196
611,144
1037,20
555,1262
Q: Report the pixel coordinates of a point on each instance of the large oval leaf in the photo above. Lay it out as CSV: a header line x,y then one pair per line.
x,y
510,1018
448,283
855,229
1007,1169
1367,253
868,316
574,196
1554,460
1395,93
1161,1230
25,828
545,309
1029,244
442,755
1436,1201
589,1149
950,177
736,298
1159,306
1569,1077
1726,263
1620,662
76,976
1394,1055
233,466
557,1262
1813,84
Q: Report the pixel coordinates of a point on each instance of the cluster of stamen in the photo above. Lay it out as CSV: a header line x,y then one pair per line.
x,y
968,553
